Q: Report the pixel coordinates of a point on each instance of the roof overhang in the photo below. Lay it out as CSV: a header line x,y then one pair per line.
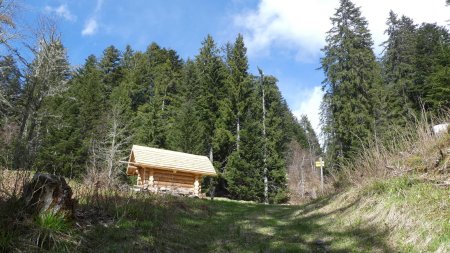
x,y
146,157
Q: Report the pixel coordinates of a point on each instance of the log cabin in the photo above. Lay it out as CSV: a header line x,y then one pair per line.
x,y
160,170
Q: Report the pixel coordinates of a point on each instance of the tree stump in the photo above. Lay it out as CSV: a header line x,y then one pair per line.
x,y
48,193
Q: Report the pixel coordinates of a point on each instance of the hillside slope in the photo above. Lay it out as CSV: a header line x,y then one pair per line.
x,y
401,214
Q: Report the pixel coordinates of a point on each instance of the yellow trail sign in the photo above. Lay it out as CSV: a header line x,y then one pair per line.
x,y
320,164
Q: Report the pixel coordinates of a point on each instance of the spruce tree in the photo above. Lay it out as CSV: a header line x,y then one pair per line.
x,y
432,61
211,103
311,137
211,80
398,68
238,82
110,64
187,133
10,87
351,77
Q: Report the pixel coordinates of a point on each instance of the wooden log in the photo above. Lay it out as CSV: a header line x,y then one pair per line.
x,y
170,172
172,178
172,184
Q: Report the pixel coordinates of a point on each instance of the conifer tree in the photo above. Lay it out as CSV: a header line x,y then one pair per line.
x,y
110,64
211,78
311,137
187,133
398,68
432,61
351,76
239,83
10,87
156,77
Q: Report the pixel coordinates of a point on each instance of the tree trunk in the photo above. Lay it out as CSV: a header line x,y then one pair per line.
x,y
238,136
265,170
48,193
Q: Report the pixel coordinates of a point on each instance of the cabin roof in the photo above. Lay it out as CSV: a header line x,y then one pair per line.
x,y
168,160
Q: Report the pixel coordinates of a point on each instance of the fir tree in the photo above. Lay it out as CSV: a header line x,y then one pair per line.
x,y
398,68
351,76
432,61
311,137
187,133
10,87
239,83
211,78
110,64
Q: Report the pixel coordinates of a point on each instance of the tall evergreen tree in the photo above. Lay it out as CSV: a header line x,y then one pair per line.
x,y
351,77
211,79
311,137
239,83
10,86
110,64
432,66
398,68
187,133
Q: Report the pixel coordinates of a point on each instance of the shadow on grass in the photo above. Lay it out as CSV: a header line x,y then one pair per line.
x,y
169,224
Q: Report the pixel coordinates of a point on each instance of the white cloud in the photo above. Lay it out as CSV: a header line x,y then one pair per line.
x,y
301,25
90,28
310,106
61,11
91,25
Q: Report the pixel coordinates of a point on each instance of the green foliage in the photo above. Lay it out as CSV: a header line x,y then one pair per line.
x,y
52,232
352,77
311,138
398,69
432,66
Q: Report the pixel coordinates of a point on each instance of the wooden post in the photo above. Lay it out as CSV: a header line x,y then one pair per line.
x,y
321,174
139,178
145,180
196,186
151,178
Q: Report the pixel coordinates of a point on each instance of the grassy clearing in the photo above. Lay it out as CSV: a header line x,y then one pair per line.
x,y
400,214
398,202
396,215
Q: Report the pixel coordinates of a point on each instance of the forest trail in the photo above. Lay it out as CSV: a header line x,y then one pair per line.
x,y
395,215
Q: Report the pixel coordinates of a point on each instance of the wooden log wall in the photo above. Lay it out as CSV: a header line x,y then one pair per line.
x,y
169,179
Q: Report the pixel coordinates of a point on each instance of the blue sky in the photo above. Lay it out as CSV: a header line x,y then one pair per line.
x,y
283,37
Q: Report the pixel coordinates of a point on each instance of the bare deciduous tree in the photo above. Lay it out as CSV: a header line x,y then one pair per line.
x,y
47,77
304,181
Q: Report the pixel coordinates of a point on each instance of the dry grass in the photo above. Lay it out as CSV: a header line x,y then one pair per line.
x,y
11,182
413,213
303,177
415,150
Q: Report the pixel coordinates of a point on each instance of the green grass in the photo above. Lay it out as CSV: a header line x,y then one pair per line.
x,y
191,225
397,215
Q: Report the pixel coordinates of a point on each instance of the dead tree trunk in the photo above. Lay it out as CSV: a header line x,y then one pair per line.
x,y
265,170
48,193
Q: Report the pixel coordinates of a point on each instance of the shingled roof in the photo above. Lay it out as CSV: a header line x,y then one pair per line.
x,y
168,160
